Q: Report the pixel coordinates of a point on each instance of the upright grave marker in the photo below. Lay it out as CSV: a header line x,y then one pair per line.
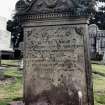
x,y
57,69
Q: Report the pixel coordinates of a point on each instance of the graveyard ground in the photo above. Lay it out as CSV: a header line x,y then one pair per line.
x,y
99,84
11,83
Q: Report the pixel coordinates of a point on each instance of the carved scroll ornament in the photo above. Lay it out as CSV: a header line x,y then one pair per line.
x,y
54,5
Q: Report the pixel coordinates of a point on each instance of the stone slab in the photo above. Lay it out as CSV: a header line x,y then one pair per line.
x,y
55,68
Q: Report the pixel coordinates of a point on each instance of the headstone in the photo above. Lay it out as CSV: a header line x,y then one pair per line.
x,y
104,58
57,67
2,69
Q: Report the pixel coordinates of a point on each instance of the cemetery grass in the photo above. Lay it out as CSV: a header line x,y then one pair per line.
x,y
11,91
10,62
14,91
99,84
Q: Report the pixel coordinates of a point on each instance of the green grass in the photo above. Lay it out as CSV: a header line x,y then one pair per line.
x,y
98,68
14,90
99,85
13,72
9,62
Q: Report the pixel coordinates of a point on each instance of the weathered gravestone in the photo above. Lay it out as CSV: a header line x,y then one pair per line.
x,y
57,70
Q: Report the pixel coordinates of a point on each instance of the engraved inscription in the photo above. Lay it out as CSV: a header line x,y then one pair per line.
x,y
55,60
54,39
49,48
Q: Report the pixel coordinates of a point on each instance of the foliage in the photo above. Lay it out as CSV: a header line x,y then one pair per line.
x,y
97,57
16,32
99,20
99,16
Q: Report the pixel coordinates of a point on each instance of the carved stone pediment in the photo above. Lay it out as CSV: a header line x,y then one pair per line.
x,y
46,5
62,7
50,5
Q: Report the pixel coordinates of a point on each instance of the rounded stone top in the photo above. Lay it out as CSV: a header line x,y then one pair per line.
x,y
21,6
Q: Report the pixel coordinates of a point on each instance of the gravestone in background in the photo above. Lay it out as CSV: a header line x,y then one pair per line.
x,y
57,69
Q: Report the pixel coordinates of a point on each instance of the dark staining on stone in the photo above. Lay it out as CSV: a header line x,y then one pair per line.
x,y
59,79
29,33
68,33
61,75
55,96
79,31
68,65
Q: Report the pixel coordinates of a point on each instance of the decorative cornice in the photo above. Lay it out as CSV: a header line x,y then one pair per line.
x,y
33,16
41,9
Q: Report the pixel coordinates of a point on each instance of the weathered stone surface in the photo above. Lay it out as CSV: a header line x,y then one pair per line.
x,y
55,63
75,7
57,67
17,103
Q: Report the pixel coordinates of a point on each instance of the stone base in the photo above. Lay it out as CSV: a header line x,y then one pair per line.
x,y
17,103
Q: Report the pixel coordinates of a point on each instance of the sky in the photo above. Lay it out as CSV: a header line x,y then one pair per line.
x,y
7,8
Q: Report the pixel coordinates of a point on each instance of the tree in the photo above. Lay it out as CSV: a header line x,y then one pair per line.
x,y
99,16
16,32
0,58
